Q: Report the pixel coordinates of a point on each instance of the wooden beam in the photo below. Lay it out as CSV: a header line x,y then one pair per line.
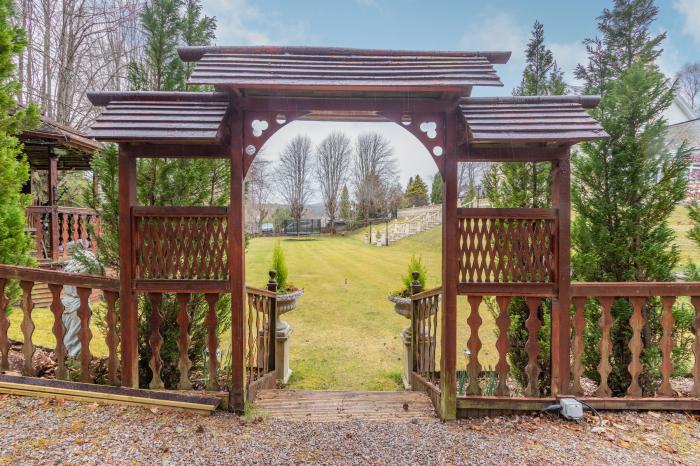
x,y
561,318
34,274
507,152
543,290
306,105
181,286
128,300
170,150
450,275
236,261
495,403
631,289
177,211
514,213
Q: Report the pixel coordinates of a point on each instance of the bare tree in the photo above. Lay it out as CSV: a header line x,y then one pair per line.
x,y
332,165
374,170
689,84
259,190
469,176
294,171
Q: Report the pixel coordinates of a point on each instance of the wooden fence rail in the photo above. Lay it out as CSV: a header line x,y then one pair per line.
x,y
58,229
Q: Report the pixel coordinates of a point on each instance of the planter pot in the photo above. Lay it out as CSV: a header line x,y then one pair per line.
x,y
402,306
288,301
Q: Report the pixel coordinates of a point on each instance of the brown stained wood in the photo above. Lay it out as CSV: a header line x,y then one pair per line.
x,y
54,276
666,368
630,289
532,346
605,346
111,338
212,342
636,346
578,346
183,341
4,327
84,314
27,327
695,300
503,345
474,345
155,341
59,330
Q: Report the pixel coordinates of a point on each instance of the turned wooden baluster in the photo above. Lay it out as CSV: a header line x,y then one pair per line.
x,y
74,233
577,348
474,345
503,345
83,229
64,234
27,327
667,323
84,314
212,342
183,341
533,324
605,346
4,326
112,339
39,236
155,341
59,330
636,346
695,392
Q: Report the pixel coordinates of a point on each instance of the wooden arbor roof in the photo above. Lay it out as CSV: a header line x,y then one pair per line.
x,y
72,147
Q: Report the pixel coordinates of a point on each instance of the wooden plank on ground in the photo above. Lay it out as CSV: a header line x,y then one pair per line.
x,y
16,385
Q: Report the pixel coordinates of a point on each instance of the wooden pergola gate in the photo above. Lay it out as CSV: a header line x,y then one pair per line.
x,y
502,252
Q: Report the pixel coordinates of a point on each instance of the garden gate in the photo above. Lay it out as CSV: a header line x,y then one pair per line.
x,y
486,252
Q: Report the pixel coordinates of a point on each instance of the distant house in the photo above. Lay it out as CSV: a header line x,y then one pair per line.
x,y
684,127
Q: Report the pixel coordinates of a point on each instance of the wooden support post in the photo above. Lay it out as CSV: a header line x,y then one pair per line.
x,y
236,261
128,311
561,319
272,323
450,271
53,216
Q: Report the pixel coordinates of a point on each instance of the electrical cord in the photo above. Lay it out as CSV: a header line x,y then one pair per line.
x,y
595,411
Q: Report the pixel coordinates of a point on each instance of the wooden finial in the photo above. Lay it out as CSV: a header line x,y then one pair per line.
x,y
415,285
272,283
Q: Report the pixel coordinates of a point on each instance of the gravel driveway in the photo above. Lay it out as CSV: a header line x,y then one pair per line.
x,y
49,432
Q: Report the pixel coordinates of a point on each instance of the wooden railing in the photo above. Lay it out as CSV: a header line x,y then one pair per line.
x,y
261,317
424,326
58,229
85,284
637,294
506,246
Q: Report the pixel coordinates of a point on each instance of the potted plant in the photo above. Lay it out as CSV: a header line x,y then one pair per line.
x,y
287,294
402,298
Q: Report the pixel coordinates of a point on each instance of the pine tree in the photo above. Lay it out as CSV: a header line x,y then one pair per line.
x,y
528,185
626,186
179,182
345,206
417,192
436,190
15,245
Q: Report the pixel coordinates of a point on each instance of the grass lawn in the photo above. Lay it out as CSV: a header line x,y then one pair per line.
x,y
346,334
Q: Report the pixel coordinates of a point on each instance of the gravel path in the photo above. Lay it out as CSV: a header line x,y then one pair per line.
x,y
49,432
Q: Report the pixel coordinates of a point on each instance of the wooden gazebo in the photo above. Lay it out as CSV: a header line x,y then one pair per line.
x,y
49,148
485,251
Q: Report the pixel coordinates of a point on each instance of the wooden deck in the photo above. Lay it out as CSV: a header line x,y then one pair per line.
x,y
327,406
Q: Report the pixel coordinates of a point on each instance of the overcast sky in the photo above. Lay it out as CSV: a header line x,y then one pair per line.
x,y
437,25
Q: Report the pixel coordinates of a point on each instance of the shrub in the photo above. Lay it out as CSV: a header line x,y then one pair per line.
x,y
279,264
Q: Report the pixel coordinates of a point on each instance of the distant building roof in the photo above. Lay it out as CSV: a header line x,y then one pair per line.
x,y
688,132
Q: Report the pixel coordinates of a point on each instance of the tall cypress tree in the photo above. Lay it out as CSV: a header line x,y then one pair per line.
x,y
345,206
626,186
528,185
15,245
436,189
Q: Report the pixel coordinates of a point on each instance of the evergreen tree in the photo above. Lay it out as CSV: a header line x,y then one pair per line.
x,y
179,182
15,245
345,207
528,185
417,192
626,186
436,190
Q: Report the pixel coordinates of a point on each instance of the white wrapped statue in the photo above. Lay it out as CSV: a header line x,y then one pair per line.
x,y
71,304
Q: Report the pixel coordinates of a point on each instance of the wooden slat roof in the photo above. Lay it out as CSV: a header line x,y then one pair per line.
x,y
195,117
337,69
530,119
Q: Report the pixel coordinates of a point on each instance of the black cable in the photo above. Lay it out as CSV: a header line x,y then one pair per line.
x,y
600,418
